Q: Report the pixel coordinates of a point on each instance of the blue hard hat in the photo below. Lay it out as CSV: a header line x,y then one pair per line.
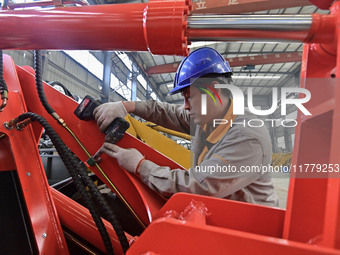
x,y
199,62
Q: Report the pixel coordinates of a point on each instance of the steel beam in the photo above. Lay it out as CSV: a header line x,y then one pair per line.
x,y
238,61
134,75
141,70
106,77
242,72
242,6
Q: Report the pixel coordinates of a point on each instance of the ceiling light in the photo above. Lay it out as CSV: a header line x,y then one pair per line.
x,y
256,77
201,44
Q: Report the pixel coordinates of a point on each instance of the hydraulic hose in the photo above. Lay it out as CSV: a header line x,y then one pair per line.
x,y
40,87
99,198
65,156
80,168
3,86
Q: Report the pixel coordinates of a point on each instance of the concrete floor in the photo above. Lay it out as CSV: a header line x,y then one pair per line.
x,y
281,183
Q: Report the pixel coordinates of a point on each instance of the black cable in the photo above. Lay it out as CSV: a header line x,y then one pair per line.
x,y
99,198
39,83
3,85
103,204
81,169
64,153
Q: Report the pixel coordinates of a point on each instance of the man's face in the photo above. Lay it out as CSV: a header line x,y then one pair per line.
x,y
192,103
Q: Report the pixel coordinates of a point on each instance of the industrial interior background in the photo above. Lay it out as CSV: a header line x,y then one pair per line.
x,y
142,75
132,75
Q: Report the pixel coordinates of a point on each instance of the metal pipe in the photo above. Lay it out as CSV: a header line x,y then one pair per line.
x,y
78,219
139,27
251,27
253,22
130,27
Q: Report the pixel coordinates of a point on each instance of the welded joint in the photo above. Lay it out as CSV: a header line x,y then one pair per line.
x,y
10,124
18,125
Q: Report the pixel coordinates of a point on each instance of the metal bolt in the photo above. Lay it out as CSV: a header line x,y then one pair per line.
x,y
28,174
8,126
44,235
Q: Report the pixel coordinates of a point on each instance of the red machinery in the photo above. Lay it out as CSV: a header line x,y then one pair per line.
x,y
310,225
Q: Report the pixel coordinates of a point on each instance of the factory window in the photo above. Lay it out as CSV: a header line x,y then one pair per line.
x,y
142,81
114,82
87,60
153,96
125,59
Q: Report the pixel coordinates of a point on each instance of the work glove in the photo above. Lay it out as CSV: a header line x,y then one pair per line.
x,y
128,159
104,114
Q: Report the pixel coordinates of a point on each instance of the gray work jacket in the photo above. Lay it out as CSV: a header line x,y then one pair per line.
x,y
239,148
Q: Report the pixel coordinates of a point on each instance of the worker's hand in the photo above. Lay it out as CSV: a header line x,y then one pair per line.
x,y
106,113
127,158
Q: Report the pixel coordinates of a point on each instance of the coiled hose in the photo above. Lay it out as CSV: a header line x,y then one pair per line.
x,y
39,83
3,85
103,205
65,155
80,168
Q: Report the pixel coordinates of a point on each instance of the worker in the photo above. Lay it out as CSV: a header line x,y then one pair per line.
x,y
219,152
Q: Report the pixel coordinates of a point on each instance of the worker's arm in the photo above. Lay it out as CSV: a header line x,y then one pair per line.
x,y
212,177
171,116
167,115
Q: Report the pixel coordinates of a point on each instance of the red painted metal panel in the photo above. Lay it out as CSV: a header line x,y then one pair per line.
x,y
169,236
20,150
232,214
102,27
306,197
322,4
332,209
143,200
238,61
78,219
6,157
313,203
